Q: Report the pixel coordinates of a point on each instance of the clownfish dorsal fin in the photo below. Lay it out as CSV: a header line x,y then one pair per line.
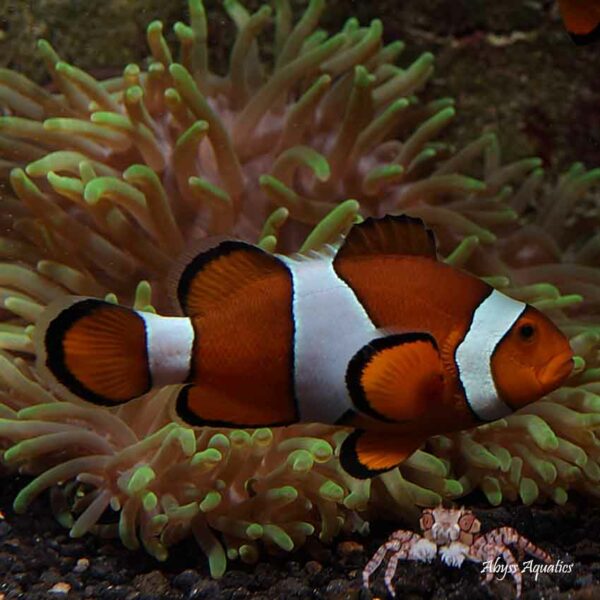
x,y
218,267
397,377
392,234
366,454
326,252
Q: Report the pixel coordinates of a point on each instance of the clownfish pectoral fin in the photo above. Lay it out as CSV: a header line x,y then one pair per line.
x,y
204,406
217,269
396,378
366,454
94,349
581,19
392,234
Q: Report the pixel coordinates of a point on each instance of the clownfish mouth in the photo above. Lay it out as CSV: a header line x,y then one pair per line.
x,y
556,371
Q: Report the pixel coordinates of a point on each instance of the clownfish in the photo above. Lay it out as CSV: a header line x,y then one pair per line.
x,y
376,335
581,19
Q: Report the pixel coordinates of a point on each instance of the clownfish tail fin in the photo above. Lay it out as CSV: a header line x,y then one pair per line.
x,y
94,349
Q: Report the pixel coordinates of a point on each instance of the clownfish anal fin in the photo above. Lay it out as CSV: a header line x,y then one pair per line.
x,y
397,377
392,234
220,269
581,19
366,454
94,349
204,406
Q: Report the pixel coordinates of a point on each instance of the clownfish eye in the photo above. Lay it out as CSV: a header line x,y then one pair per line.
x,y
526,332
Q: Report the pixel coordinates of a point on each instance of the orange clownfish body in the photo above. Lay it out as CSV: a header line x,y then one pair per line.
x,y
377,335
581,19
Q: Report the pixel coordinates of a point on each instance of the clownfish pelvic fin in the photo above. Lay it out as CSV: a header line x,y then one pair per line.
x,y
366,454
396,378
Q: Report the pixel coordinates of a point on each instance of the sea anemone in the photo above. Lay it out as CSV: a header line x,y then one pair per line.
x,y
111,180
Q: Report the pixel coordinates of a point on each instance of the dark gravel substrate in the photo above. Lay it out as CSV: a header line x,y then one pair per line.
x,y
37,559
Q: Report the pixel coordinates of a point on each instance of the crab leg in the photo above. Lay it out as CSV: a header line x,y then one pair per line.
x,y
396,543
487,550
390,570
495,543
508,536
399,542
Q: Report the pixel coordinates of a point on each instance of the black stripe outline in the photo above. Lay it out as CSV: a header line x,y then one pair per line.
x,y
189,416
198,263
526,310
368,224
188,275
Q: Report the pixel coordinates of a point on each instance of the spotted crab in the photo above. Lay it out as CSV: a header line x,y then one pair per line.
x,y
453,535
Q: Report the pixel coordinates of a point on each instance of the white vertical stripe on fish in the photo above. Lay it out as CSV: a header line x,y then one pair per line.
x,y
491,320
169,341
331,325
